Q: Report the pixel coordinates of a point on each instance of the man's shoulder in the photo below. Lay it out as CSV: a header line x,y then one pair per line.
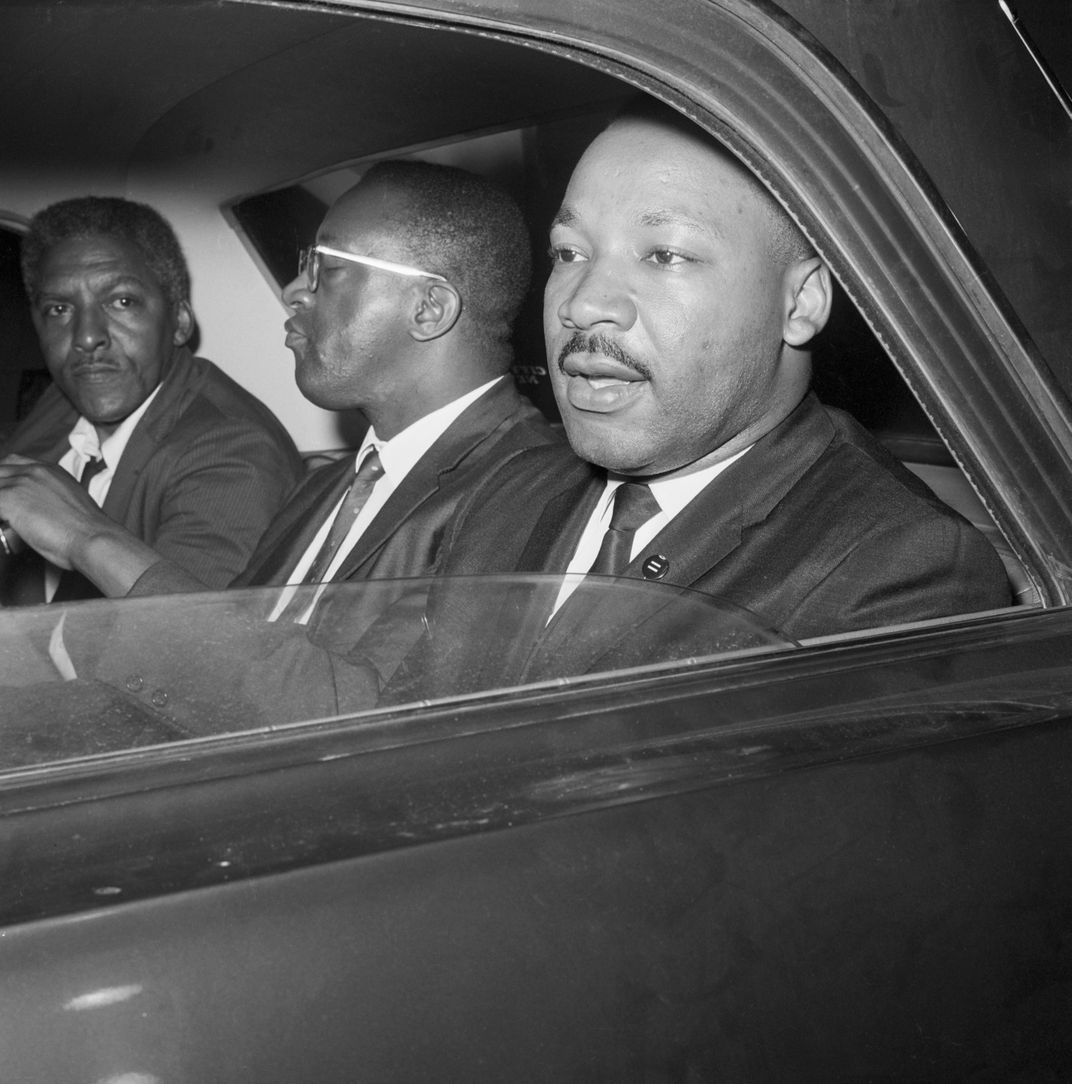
x,y
545,465
489,432
200,403
867,473
42,433
521,483
200,388
504,414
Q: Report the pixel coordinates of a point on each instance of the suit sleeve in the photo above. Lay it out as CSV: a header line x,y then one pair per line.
x,y
219,496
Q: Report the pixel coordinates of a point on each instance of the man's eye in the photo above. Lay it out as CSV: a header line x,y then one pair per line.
x,y
565,254
666,257
55,311
123,302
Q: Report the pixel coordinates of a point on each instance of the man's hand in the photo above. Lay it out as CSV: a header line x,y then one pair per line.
x,y
51,512
46,508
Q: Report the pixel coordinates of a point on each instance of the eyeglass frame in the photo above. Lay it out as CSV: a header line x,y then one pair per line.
x,y
309,265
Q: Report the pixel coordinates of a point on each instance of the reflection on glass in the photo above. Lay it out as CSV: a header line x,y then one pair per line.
x,y
104,676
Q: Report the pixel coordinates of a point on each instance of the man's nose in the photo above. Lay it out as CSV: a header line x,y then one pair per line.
x,y
592,295
296,293
90,329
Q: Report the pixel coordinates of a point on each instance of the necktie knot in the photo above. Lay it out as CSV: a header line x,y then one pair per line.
x,y
90,469
371,468
634,505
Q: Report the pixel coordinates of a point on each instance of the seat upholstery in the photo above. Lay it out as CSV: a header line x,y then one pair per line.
x,y
949,485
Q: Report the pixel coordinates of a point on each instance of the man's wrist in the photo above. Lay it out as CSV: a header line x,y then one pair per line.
x,y
112,558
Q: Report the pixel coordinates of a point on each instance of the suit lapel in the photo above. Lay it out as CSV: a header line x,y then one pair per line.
x,y
294,529
556,533
477,424
715,521
185,375
521,621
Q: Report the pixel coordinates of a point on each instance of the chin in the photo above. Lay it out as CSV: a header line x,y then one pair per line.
x,y
611,450
107,415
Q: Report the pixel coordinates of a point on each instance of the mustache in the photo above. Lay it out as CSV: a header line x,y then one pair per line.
x,y
579,343
95,361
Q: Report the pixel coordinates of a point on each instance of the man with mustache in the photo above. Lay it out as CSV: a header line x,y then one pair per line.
x,y
403,309
678,317
136,435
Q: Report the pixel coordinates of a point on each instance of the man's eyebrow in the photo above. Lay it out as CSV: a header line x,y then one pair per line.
x,y
100,280
674,218
566,216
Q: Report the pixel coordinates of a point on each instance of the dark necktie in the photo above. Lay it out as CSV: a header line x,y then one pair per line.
x,y
634,505
92,468
360,489
73,586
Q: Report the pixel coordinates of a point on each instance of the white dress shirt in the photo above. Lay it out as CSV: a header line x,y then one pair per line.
x,y
398,457
85,444
672,493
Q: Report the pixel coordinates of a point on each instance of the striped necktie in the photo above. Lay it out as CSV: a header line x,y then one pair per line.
x,y
359,492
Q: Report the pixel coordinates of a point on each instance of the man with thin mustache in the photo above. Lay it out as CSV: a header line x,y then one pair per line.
x,y
136,435
678,317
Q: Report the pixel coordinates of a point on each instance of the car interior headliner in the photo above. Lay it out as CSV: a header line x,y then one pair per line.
x,y
247,94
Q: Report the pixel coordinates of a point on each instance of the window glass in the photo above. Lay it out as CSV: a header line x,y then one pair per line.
x,y
104,676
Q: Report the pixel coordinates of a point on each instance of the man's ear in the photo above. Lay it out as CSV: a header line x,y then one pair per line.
x,y
809,293
184,324
438,307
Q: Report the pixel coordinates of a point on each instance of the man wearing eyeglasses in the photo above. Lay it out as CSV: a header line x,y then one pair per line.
x,y
403,309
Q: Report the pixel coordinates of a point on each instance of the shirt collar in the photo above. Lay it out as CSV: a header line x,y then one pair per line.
x,y
399,454
87,444
674,491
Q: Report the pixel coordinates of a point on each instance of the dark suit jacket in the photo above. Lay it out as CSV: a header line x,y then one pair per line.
x,y
259,671
403,538
205,470
499,424
816,530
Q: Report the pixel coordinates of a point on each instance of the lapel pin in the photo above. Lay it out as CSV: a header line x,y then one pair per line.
x,y
655,567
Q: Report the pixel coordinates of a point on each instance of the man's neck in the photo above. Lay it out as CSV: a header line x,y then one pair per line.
x,y
395,417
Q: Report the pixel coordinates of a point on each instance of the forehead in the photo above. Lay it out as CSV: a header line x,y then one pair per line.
x,y
97,258
640,172
366,212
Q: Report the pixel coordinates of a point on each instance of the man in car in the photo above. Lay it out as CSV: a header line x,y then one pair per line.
x,y
404,310
136,434
678,317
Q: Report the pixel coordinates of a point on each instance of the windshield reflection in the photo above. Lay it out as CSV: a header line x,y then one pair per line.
x,y
103,676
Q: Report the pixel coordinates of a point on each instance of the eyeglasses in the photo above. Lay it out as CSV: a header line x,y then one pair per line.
x,y
309,265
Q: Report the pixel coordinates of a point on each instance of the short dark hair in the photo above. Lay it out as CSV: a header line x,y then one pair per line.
x,y
469,230
787,242
90,216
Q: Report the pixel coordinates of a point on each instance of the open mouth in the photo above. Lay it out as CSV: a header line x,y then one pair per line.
x,y
599,384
